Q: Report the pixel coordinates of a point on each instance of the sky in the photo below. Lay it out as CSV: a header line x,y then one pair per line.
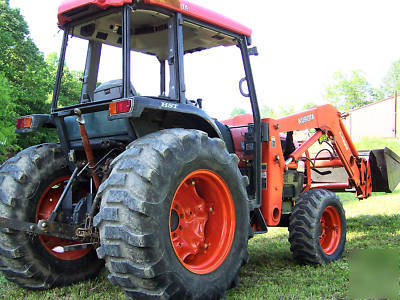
x,y
301,44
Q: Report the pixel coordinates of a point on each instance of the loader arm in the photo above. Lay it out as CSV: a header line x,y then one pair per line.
x,y
276,162
327,121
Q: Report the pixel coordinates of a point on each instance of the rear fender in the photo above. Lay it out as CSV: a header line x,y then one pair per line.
x,y
177,114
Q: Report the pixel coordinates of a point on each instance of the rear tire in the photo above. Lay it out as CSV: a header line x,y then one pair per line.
x,y
141,213
317,230
25,259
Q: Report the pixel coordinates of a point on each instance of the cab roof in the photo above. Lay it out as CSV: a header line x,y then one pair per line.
x,y
70,9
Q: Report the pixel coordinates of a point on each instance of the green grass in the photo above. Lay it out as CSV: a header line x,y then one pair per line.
x,y
271,272
369,143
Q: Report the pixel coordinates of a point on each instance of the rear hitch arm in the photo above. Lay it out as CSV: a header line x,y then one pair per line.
x,y
63,195
55,229
87,147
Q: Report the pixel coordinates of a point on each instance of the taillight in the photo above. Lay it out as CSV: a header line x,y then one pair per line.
x,y
120,107
24,122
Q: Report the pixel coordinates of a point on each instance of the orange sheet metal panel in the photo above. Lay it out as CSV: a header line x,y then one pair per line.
x,y
273,166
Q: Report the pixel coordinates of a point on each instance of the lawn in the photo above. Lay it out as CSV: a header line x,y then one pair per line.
x,y
271,272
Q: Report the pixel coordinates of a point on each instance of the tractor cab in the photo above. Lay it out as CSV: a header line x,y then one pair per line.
x,y
135,54
154,35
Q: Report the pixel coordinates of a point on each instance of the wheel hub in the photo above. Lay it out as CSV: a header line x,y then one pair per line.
x,y
330,230
188,235
202,221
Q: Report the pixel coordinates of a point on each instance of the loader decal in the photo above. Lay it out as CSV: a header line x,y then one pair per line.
x,y
306,119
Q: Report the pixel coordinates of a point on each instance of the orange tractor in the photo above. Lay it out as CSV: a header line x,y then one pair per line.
x,y
163,194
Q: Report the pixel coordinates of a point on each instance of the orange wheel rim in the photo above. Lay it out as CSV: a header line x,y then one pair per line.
x,y
202,222
330,230
47,203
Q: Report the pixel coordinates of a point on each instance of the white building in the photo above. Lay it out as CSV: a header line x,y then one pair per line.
x,y
379,119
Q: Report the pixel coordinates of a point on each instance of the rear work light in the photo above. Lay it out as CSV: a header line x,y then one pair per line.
x,y
24,123
120,107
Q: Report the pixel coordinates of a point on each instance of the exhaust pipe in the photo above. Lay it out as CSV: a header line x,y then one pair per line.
x,y
385,170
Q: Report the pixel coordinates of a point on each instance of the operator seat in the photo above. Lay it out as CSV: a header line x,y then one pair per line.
x,y
98,127
110,90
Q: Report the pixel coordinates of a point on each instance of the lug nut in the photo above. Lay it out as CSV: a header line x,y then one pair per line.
x,y
32,228
44,225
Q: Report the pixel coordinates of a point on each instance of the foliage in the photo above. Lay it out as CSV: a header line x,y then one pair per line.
x,y
309,105
370,143
70,91
391,81
267,112
26,82
348,91
25,71
282,111
285,110
7,119
238,111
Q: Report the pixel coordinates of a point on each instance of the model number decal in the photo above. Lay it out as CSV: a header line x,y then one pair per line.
x,y
306,119
184,6
169,105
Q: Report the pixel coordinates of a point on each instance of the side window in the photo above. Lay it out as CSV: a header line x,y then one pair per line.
x,y
145,75
110,67
71,81
213,69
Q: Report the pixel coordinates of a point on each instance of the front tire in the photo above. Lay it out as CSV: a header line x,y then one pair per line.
x,y
317,227
174,217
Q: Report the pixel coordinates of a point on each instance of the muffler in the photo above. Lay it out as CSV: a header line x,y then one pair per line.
x,y
385,170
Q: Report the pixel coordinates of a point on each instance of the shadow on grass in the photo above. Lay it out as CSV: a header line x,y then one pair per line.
x,y
376,231
367,223
350,197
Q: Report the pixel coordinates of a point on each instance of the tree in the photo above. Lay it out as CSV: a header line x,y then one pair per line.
x,y
7,119
348,91
237,111
285,110
24,70
70,91
391,81
309,105
267,112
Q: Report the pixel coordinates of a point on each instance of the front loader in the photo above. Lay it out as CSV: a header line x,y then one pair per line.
x,y
151,186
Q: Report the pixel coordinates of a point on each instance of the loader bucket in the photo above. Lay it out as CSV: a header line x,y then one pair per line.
x,y
385,170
